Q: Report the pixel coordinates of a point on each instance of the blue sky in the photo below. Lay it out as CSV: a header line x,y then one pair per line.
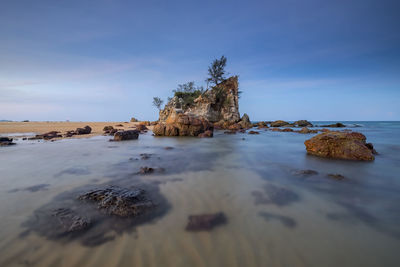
x,y
105,60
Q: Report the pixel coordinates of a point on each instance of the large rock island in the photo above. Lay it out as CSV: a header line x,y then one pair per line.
x,y
196,113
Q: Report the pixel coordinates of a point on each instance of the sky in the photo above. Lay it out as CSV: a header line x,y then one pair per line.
x,y
105,60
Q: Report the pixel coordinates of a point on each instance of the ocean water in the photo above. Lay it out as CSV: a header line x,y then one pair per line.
x,y
274,216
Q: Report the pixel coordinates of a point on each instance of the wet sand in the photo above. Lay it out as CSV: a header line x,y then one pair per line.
x,y
41,127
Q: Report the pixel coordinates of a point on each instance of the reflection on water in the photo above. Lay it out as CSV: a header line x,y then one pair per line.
x,y
282,208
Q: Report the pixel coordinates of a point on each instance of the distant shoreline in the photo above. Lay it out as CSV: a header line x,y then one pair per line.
x,y
61,126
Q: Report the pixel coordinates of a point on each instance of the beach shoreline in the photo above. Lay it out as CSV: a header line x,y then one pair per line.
x,y
23,129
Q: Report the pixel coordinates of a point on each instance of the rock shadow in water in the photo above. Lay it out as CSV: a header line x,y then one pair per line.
x,y
285,220
34,188
67,218
73,171
276,195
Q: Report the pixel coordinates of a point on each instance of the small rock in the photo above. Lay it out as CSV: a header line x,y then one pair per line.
x,y
84,130
254,132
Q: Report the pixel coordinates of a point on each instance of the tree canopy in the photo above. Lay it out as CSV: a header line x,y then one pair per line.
x,y
157,102
216,71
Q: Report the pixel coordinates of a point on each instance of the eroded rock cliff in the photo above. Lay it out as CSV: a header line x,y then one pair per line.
x,y
220,103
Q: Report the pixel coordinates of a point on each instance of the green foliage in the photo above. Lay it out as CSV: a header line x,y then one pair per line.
x,y
157,102
217,71
188,92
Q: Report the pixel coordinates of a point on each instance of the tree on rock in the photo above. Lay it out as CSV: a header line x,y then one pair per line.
x,y
157,102
217,71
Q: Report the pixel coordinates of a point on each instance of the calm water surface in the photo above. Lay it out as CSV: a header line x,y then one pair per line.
x,y
275,217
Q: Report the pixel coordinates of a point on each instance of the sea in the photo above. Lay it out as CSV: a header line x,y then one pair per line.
x,y
276,214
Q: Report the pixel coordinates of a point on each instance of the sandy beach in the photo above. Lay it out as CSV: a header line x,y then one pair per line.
x,y
41,127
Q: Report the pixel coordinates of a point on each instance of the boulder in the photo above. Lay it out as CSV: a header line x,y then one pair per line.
x,y
340,145
126,135
5,141
279,123
141,127
335,125
134,119
302,123
206,134
205,222
305,130
107,128
84,130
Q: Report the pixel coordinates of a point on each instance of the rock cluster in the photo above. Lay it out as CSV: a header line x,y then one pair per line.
x,y
184,125
340,145
5,141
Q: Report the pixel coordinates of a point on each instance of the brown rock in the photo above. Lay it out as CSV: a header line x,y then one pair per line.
x,y
339,145
305,130
183,125
84,130
254,132
279,123
335,125
303,123
126,135
206,134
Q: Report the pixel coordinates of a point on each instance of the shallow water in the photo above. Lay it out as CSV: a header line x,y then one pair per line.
x,y
275,217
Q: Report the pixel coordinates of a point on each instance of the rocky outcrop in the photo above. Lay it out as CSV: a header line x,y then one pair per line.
x,y
133,119
221,102
340,145
183,125
126,135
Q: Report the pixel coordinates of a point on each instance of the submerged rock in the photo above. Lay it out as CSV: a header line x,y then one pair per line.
x,y
254,132
146,170
340,145
305,172
126,135
69,221
205,222
119,201
336,176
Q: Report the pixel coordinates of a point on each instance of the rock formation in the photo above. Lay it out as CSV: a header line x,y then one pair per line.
x,y
184,125
340,145
220,103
